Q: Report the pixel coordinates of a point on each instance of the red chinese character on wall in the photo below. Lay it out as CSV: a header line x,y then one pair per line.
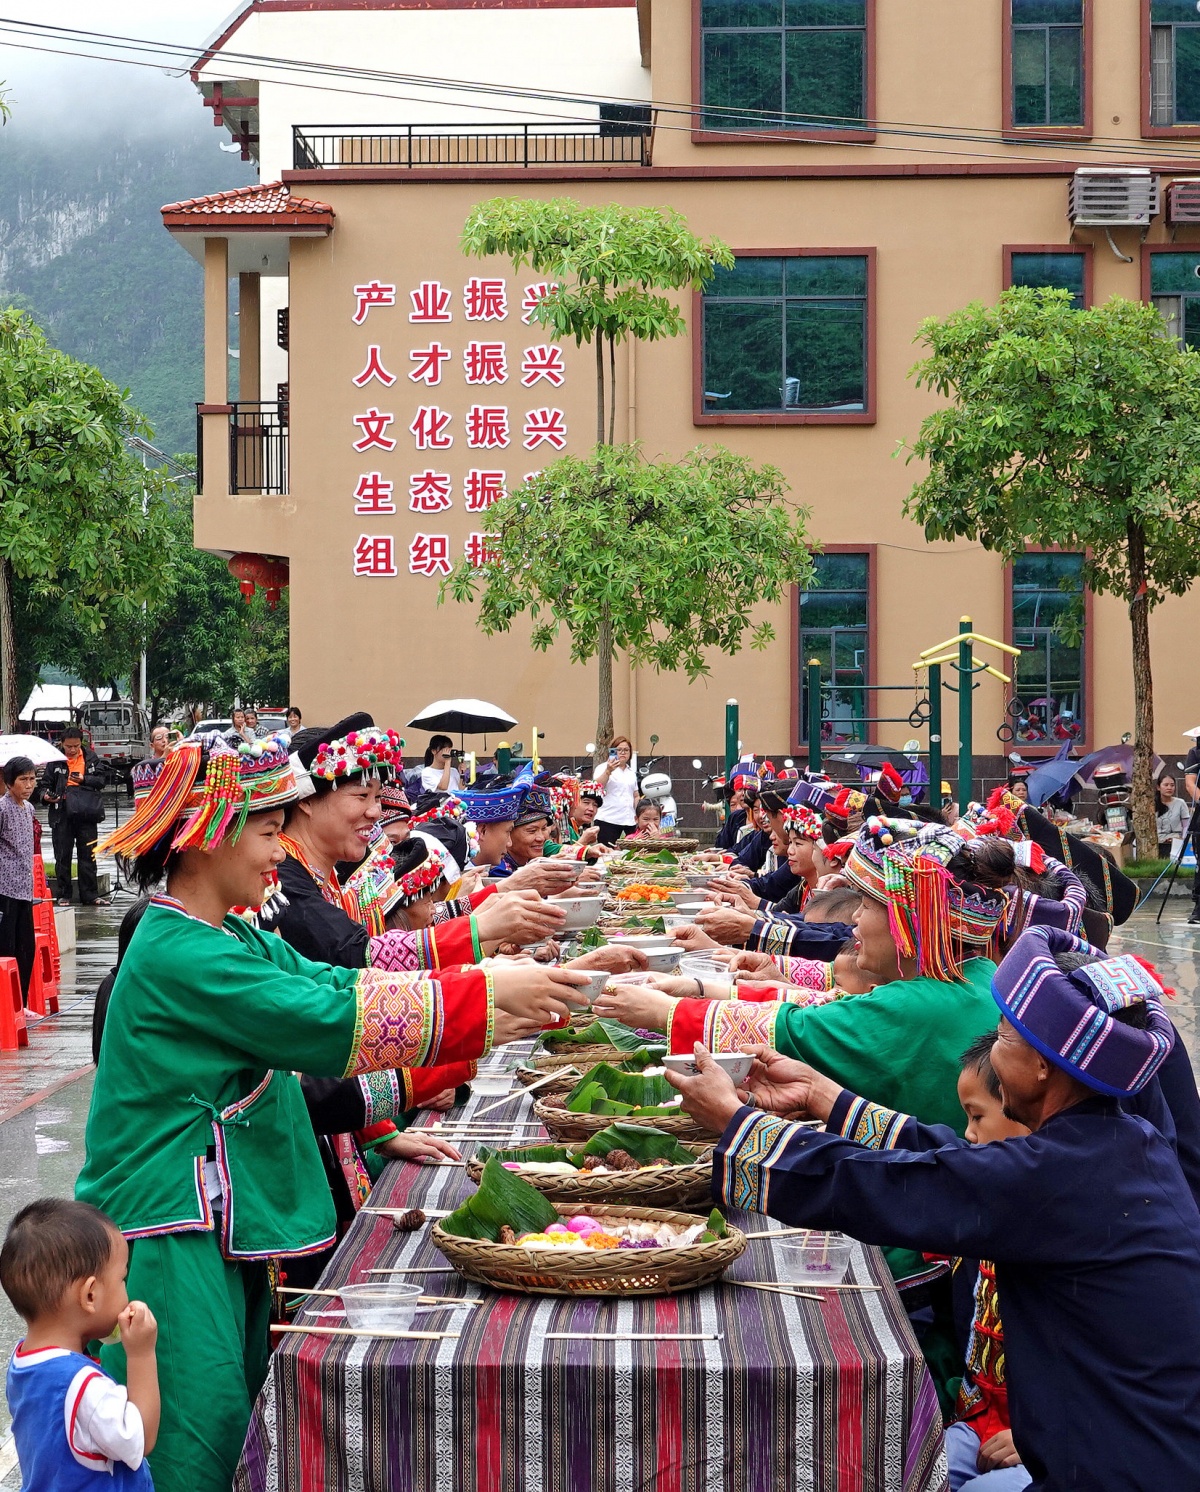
x,y
487,425
374,369
545,427
429,491
429,554
429,427
482,489
479,549
373,494
429,362
542,362
430,302
371,294
531,296
485,362
374,431
486,300
375,554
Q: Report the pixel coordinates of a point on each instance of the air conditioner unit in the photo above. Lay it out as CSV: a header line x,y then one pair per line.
x,y
1112,197
1183,200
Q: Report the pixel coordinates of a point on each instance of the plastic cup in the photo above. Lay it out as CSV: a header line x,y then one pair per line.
x,y
386,1307
814,1258
708,970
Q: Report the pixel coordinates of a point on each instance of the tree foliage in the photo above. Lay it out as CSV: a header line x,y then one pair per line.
x,y
608,267
1072,428
78,515
666,561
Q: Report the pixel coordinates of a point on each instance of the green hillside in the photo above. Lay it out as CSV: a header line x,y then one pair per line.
x,y
82,247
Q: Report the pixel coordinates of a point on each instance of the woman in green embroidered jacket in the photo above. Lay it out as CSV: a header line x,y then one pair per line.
x,y
198,1143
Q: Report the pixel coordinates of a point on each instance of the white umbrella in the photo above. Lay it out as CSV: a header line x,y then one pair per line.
x,y
38,751
467,716
1194,732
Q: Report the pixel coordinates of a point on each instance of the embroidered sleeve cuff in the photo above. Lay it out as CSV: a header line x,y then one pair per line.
x,y
742,1165
384,1095
453,942
722,1025
412,1020
867,1124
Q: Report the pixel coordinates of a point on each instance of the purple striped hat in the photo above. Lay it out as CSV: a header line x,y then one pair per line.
x,y
1069,1018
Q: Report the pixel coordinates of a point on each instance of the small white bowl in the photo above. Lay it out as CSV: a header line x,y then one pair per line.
x,y
697,880
674,920
593,989
662,960
684,898
582,911
644,941
736,1065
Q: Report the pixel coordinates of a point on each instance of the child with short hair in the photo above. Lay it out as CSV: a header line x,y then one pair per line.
x,y
63,1267
979,1444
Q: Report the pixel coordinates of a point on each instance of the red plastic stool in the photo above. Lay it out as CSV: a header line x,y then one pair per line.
x,y
43,986
13,1031
44,910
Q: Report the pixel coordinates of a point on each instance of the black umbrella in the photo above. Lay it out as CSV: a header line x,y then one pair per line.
x,y
471,717
873,757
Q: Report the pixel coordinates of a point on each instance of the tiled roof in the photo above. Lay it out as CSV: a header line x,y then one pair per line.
x,y
263,207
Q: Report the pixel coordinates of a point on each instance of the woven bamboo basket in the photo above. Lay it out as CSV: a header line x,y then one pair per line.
x,y
652,843
659,1186
582,1057
584,1271
539,1066
563,1125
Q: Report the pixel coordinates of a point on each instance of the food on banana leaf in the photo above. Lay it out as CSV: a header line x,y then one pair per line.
x,y
608,1090
601,1032
501,1199
620,1147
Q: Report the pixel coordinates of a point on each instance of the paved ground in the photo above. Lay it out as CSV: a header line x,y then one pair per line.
x,y
45,1090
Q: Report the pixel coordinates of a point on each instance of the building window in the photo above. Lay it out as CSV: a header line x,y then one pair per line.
x,y
1174,63
1047,63
786,336
1047,610
784,64
1066,271
1175,290
834,629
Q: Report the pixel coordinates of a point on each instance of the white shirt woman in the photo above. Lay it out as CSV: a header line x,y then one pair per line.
x,y
617,815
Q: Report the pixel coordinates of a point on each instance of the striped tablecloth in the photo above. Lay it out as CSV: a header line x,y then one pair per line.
x,y
787,1395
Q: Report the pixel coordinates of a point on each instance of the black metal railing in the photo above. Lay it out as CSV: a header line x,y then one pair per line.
x,y
258,446
611,142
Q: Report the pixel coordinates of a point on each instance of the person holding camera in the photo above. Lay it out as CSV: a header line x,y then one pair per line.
x,y
618,777
440,773
72,792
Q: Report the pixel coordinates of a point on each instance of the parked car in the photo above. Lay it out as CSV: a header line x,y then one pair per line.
x,y
118,731
202,727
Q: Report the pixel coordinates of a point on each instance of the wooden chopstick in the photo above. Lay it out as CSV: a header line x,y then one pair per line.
x,y
417,1269
356,1331
528,1088
400,1211
776,1288
633,1336
780,1232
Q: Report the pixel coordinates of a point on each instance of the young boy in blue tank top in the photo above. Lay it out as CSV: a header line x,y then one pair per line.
x,y
63,1266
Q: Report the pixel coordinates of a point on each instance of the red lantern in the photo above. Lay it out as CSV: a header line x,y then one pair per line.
x,y
248,570
275,578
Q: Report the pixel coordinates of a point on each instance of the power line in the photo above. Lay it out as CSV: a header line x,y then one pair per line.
x,y
970,135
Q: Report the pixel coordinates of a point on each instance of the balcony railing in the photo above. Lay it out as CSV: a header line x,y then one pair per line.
x,y
258,445
609,142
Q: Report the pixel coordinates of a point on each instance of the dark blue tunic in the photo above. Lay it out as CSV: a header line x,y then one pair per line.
x,y
1096,1241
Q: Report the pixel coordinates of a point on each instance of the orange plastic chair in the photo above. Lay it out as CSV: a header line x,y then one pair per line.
x,y
13,1031
43,982
43,911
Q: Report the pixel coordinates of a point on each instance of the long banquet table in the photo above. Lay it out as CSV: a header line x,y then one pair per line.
x,y
781,1395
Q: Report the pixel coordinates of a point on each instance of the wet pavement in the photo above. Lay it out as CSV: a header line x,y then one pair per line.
x,y
45,1090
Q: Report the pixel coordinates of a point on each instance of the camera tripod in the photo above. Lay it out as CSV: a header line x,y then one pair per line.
x,y
1173,870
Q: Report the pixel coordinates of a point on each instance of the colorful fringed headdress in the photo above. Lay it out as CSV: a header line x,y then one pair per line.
x,y
369,752
931,913
214,798
800,819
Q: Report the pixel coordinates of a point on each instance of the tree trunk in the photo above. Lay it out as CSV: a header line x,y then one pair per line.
x,y
1144,826
599,389
8,653
604,708
612,389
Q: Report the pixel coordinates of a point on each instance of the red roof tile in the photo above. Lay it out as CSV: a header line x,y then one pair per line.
x,y
269,205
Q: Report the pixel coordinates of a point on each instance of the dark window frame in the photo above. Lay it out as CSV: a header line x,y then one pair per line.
x,y
1081,250
799,660
864,416
1148,253
1043,751
702,136
1157,131
1052,131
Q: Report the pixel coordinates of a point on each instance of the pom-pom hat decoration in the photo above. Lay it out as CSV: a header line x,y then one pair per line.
x,y
930,912
370,752
1070,1017
419,866
801,820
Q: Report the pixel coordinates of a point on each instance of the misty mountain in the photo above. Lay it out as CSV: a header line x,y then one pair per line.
x,y
82,247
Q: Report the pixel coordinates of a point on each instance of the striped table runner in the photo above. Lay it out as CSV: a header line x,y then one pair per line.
x,y
792,1395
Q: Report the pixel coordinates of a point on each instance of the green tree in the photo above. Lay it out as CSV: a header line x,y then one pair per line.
x,y
262,660
78,516
607,266
666,560
1072,428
